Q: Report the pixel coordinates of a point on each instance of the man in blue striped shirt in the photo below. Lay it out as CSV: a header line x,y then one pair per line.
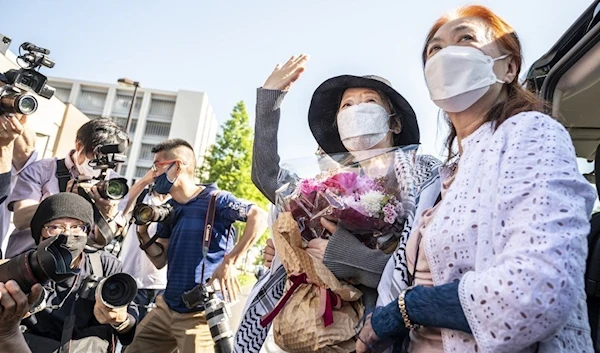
x,y
172,325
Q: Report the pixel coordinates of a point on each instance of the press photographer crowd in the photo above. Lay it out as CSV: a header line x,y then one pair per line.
x,y
373,247
88,255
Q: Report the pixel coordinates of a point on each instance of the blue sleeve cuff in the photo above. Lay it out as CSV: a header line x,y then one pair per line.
x,y
437,306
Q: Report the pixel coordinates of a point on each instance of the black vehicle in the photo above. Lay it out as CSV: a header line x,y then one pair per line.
x,y
568,77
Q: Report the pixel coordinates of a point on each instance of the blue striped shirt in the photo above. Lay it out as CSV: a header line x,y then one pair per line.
x,y
184,231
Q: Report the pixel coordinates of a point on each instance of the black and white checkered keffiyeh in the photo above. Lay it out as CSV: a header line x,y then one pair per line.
x,y
415,173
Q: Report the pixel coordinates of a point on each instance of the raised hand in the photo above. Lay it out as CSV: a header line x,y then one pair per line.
x,y
11,127
284,76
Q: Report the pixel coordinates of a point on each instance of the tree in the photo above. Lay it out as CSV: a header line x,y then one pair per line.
x,y
229,161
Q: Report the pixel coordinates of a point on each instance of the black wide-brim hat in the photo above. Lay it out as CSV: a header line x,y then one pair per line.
x,y
325,103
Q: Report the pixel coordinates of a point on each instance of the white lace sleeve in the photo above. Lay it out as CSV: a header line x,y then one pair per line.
x,y
539,213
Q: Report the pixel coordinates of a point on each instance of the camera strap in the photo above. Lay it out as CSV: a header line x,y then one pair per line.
x,y
208,229
62,174
99,219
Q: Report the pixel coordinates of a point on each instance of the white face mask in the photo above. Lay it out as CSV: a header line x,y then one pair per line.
x,y
363,126
85,168
458,76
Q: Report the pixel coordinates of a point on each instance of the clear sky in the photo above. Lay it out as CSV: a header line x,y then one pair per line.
x,y
228,48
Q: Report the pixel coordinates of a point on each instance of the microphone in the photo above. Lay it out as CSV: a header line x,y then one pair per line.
x,y
111,149
32,47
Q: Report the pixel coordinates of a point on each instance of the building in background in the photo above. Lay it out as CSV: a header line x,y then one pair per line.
x,y
157,115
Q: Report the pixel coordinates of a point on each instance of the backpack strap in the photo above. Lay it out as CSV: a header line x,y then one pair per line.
x,y
208,229
62,174
96,263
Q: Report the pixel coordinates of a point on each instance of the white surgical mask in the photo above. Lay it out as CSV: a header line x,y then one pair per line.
x,y
363,126
458,76
85,168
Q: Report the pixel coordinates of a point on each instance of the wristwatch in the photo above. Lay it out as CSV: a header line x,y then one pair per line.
x,y
123,325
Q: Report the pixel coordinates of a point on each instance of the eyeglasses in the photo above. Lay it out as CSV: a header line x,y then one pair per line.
x,y
75,229
170,162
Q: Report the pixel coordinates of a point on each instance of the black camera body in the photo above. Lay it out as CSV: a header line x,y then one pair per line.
x,y
108,157
49,261
15,83
217,314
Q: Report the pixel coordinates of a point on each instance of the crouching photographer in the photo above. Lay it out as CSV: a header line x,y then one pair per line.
x,y
98,147
196,241
86,303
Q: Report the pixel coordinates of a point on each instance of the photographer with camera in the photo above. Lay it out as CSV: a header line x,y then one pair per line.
x,y
50,176
180,243
75,311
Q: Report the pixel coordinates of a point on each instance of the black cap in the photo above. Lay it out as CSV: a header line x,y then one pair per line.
x,y
63,205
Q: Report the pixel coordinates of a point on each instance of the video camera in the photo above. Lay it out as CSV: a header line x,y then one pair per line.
x,y
16,82
108,157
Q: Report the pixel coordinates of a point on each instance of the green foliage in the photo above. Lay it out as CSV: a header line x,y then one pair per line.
x,y
229,161
246,279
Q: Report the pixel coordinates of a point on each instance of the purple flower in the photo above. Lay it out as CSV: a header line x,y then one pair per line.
x,y
365,184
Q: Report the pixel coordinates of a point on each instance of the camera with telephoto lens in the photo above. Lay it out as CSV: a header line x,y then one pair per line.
x,y
116,291
15,83
49,261
217,315
144,214
108,157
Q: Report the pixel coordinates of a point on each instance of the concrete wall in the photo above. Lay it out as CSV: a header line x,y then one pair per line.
x,y
72,121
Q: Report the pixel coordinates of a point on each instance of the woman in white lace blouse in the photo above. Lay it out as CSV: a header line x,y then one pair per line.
x,y
499,261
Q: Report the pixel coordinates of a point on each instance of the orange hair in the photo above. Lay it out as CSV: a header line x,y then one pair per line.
x,y
518,99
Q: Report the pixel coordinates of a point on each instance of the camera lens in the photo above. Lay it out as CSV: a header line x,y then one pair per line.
x,y
117,290
18,103
117,189
143,214
27,104
113,189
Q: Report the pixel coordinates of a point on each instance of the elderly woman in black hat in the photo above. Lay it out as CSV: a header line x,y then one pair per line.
x,y
347,114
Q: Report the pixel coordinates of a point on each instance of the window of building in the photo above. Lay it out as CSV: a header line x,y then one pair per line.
x,y
62,94
141,171
158,129
91,101
161,109
146,152
123,102
121,121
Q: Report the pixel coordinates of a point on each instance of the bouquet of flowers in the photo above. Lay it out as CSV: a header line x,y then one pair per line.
x,y
358,203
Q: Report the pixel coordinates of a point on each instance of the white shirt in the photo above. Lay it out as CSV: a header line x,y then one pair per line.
x,y
513,229
135,261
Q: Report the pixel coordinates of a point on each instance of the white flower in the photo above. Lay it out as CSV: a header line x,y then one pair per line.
x,y
371,201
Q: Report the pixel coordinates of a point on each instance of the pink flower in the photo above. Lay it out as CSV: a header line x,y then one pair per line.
x,y
389,213
308,186
342,182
